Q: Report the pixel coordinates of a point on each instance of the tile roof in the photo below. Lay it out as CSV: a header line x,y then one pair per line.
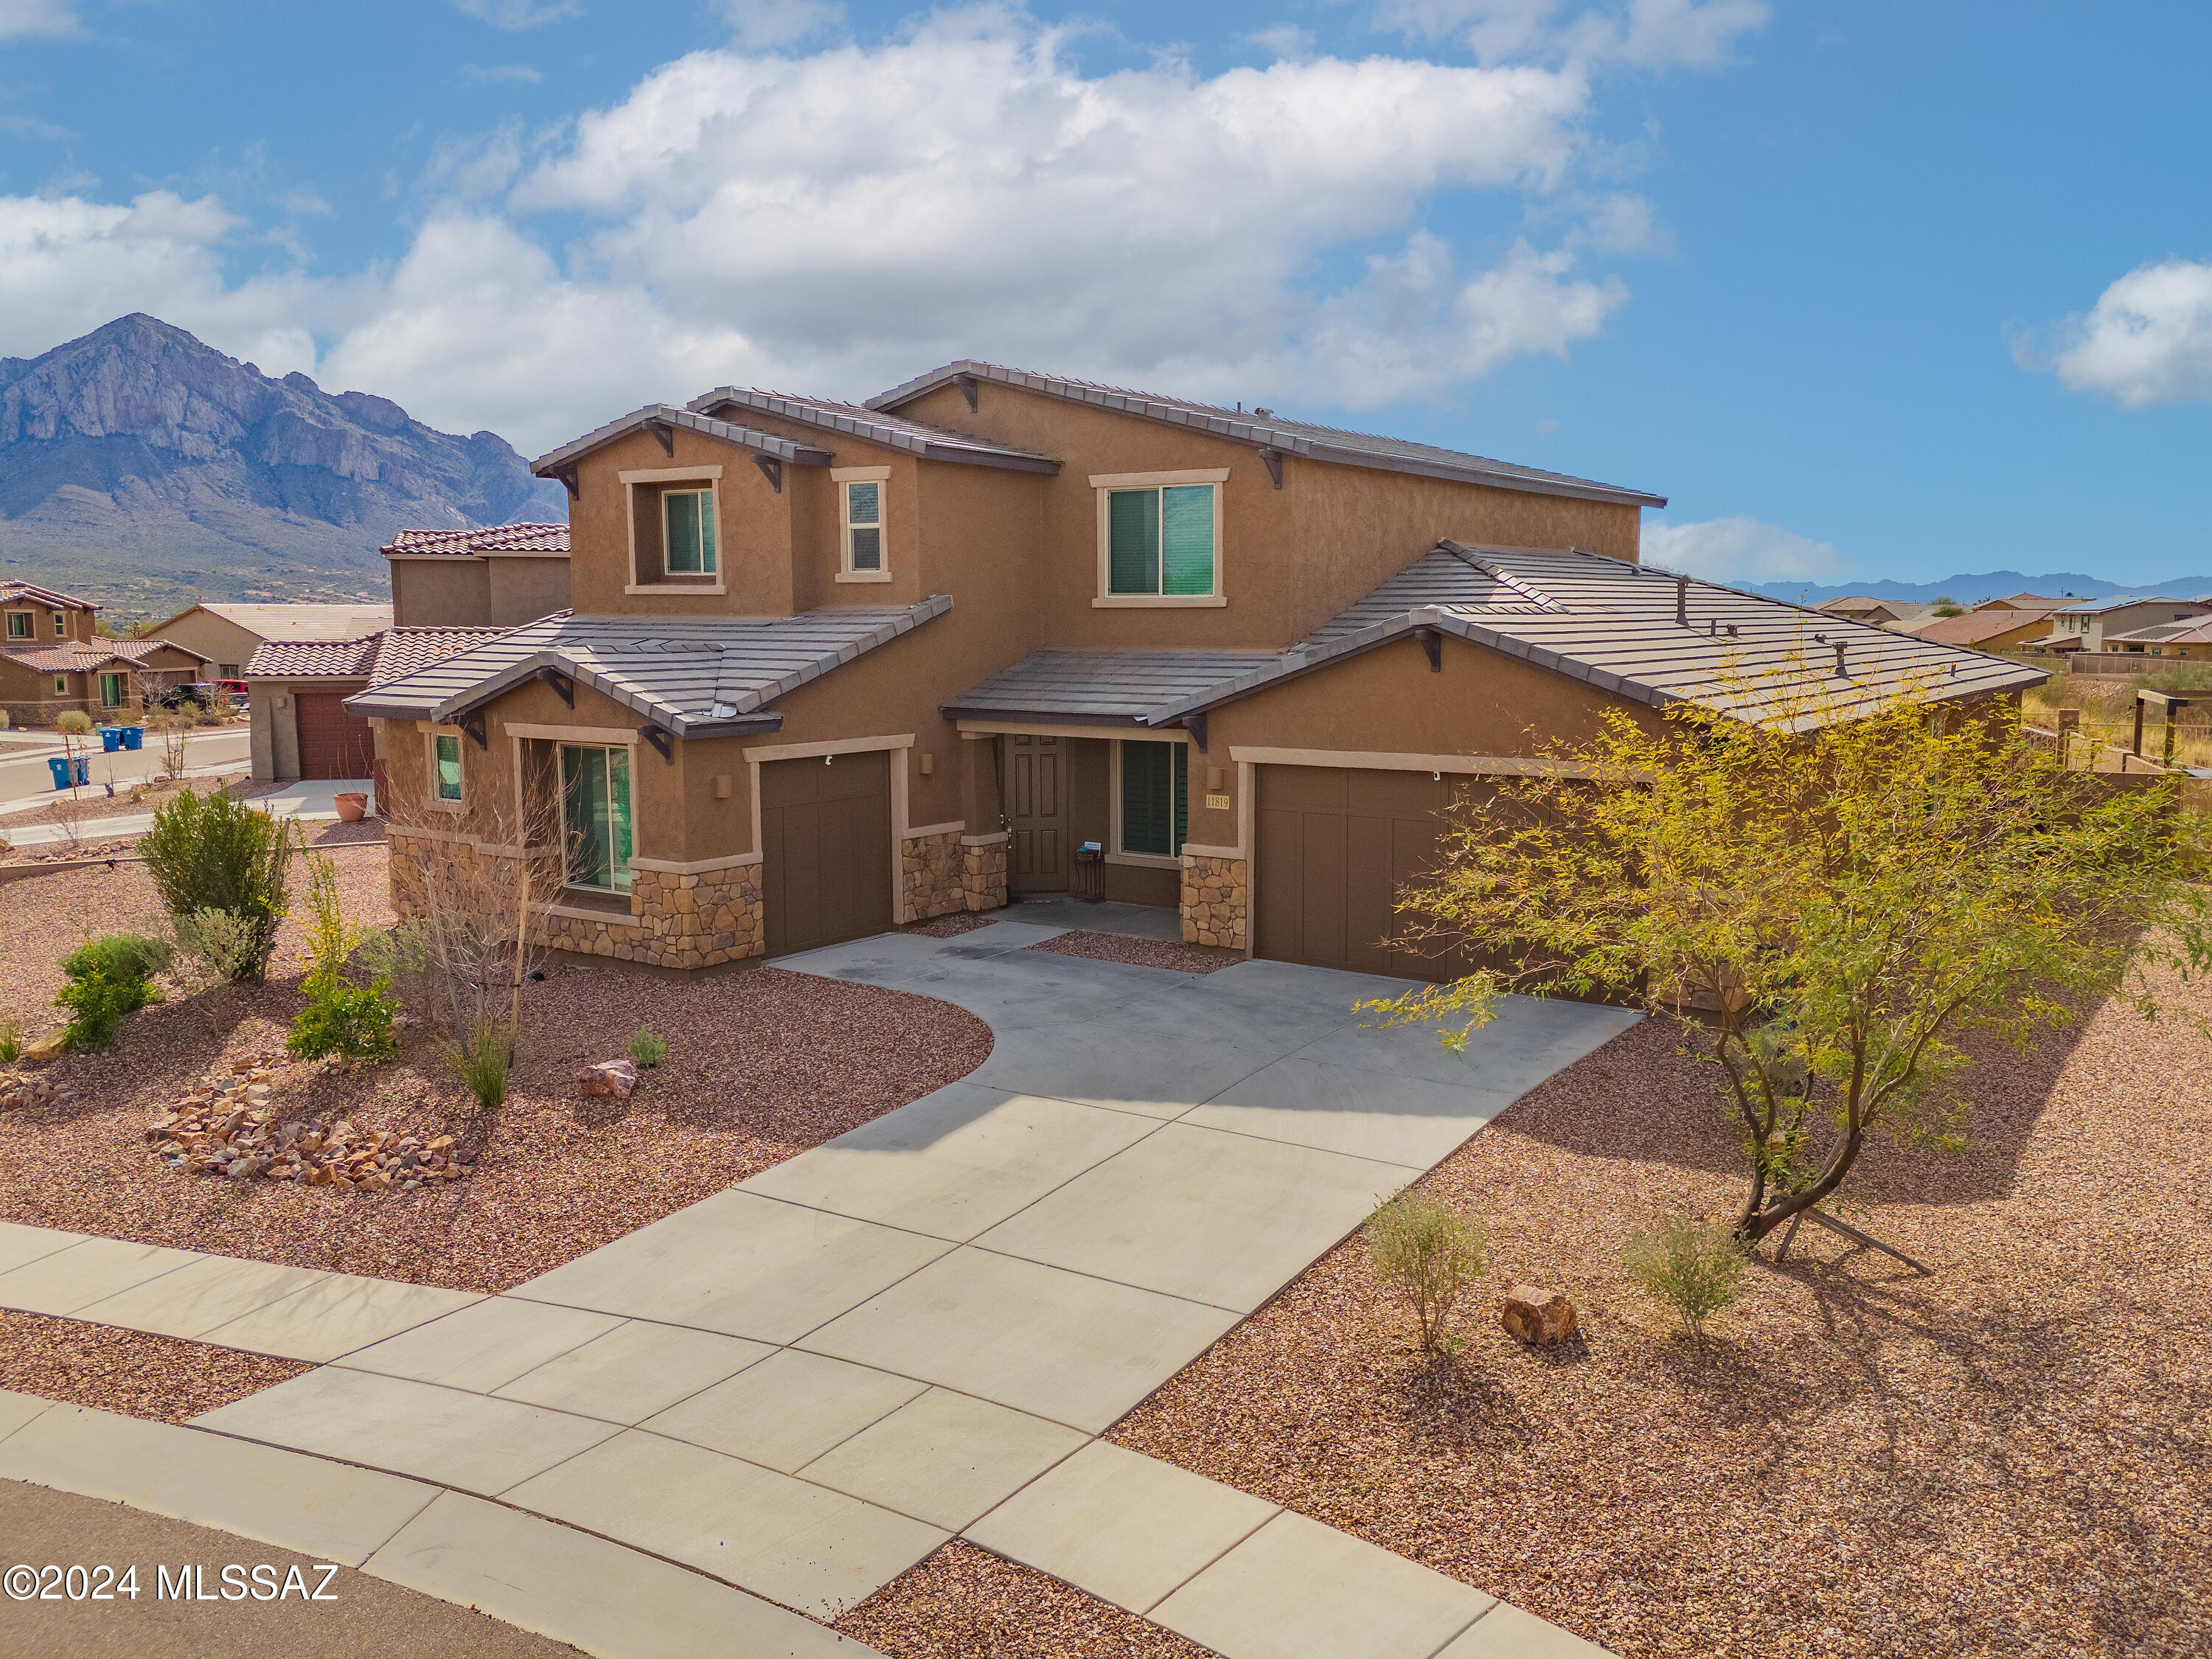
x,y
308,660
1612,624
2022,602
540,539
403,650
692,677
296,622
865,421
14,592
1269,431
74,657
1100,688
1976,626
2120,602
550,463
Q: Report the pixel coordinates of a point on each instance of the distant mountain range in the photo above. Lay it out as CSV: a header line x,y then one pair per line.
x,y
1992,584
142,470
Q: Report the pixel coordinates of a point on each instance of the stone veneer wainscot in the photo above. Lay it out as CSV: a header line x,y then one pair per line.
x,y
1215,906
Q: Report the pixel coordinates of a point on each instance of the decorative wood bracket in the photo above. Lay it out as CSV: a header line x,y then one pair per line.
x,y
473,724
1432,648
660,740
567,475
772,470
1272,459
1195,725
968,389
560,684
667,434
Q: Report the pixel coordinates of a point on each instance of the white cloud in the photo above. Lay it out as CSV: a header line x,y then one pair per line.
x,y
513,14
1649,33
502,73
2147,340
758,24
1740,549
21,18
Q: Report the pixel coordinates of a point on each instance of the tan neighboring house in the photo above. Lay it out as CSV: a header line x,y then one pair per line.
x,y
832,666
2086,624
498,578
1862,608
2178,638
298,689
53,661
228,635
2025,602
2001,630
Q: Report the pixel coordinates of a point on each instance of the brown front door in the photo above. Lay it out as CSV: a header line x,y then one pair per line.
x,y
825,849
1036,814
334,742
1335,845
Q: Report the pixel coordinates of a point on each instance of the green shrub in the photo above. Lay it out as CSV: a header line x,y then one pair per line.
x,y
212,852
119,955
223,946
352,1020
107,979
1427,1252
11,1041
647,1049
480,1061
1693,1266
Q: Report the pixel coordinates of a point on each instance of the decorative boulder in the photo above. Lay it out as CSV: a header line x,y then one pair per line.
x,y
1536,1316
609,1077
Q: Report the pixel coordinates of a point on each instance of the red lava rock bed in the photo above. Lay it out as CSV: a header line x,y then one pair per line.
x,y
762,1064
962,1602
129,1371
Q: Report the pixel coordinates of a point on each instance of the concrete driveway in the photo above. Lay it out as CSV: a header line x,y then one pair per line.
x,y
803,1385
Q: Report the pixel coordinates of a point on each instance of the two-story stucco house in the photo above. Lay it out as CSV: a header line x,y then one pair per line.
x,y
53,660
831,666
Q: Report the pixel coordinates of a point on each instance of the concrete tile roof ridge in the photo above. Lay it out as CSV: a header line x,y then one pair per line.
x,y
860,420
545,539
1268,429
550,463
78,657
14,591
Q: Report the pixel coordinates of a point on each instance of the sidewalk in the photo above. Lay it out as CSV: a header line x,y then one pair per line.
x,y
310,802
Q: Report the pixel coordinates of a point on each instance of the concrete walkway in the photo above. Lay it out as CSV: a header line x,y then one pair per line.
x,y
311,802
805,1384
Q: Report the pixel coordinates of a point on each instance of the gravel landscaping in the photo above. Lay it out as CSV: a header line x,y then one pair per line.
x,y
950,927
2011,1456
1173,954
966,1603
762,1064
129,1371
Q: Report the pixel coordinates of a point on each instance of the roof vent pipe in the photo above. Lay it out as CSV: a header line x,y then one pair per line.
x,y
1839,660
1682,600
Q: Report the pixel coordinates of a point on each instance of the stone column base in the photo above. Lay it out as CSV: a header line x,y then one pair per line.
x,y
1216,906
984,871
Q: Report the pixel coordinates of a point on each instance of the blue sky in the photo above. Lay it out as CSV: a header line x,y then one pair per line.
x,y
1869,291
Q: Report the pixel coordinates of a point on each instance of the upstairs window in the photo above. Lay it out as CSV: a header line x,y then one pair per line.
x,y
19,625
687,531
864,526
1159,538
61,626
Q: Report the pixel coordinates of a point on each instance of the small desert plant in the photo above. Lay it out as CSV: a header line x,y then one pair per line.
x,y
1691,1265
172,732
213,853
223,946
647,1049
11,1041
480,1061
396,953
73,723
5,722
1427,1252
108,978
341,1018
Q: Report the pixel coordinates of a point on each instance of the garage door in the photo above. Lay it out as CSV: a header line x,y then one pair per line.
x,y
825,849
334,742
1335,846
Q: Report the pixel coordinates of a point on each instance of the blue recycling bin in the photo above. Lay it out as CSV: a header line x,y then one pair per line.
x,y
60,769
134,736
111,739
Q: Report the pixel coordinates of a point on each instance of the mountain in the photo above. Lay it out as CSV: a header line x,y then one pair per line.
x,y
1992,584
143,469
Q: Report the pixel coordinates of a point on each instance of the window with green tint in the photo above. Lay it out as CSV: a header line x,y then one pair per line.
x,y
1155,798
19,625
688,518
111,690
449,766
595,816
1160,540
864,526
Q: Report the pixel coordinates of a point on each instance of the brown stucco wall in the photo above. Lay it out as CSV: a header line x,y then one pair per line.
x,y
753,528
441,592
77,624
524,589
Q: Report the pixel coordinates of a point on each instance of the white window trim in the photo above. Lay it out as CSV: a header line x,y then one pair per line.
x,y
711,475
712,512
61,685
430,736
1114,854
1104,483
61,625
880,476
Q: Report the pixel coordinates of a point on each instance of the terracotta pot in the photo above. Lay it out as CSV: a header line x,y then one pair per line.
x,y
352,808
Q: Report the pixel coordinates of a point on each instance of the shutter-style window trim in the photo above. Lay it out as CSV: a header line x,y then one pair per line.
x,y
1132,541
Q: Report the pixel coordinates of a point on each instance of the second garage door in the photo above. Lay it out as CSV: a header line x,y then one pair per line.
x,y
825,849
334,742
1335,846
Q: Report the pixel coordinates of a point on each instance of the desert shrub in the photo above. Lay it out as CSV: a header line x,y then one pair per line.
x,y
73,723
341,1018
220,945
1428,1253
647,1049
5,721
480,1061
11,1041
399,951
105,979
212,852
1693,1266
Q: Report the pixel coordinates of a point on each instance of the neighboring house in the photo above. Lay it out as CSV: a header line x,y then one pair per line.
x,y
2085,624
2179,639
836,667
496,578
1859,607
228,634
298,689
1987,630
53,661
2025,602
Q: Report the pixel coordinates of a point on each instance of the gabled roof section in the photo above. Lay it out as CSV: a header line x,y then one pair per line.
x,y
1265,429
864,421
555,462
1099,688
76,657
690,677
295,621
544,540
1613,626
306,660
20,592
